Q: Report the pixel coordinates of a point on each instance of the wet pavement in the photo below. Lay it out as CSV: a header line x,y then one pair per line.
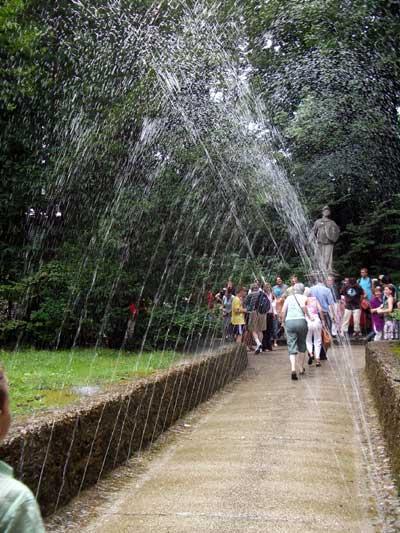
x,y
266,455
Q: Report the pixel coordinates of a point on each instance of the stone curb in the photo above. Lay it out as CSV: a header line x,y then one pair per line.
x,y
383,371
72,450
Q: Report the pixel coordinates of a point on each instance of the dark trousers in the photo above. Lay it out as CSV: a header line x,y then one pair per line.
x,y
275,327
268,333
328,324
328,321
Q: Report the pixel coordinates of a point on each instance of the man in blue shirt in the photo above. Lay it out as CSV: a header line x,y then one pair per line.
x,y
365,283
325,298
19,512
280,288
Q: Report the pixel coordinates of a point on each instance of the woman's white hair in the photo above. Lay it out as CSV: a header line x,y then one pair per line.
x,y
298,288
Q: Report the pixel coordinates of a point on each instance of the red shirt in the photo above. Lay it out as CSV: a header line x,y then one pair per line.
x,y
134,310
210,300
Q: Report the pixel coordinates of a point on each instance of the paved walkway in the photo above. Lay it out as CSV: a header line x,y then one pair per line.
x,y
271,455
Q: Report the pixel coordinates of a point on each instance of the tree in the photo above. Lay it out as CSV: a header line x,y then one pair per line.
x,y
329,75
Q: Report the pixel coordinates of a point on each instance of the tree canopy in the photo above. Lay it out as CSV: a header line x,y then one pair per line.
x,y
124,176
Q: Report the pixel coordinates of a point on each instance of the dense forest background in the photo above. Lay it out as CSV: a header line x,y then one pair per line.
x,y
327,72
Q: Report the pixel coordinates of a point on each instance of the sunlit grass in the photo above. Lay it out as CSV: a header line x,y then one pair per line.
x,y
41,379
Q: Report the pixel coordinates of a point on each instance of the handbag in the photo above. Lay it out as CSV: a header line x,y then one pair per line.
x,y
365,305
326,338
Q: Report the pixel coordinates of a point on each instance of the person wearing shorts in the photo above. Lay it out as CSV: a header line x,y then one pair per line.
x,y
352,297
295,314
257,322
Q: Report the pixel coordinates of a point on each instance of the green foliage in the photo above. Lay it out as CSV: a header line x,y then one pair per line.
x,y
19,41
184,327
379,230
12,330
395,315
163,231
24,93
330,76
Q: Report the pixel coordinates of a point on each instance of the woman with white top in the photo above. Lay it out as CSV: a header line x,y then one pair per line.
x,y
275,319
227,300
386,309
314,322
294,315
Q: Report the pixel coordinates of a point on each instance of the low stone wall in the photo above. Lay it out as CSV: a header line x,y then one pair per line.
x,y
58,458
383,370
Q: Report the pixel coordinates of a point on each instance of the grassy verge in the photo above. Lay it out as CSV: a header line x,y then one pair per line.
x,y
396,350
44,379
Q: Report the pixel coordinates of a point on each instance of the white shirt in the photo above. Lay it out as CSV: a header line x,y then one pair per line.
x,y
294,304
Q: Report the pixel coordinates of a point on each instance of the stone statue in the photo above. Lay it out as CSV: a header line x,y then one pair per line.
x,y
327,234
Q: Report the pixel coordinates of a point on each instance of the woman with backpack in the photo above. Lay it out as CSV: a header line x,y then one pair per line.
x,y
268,333
256,306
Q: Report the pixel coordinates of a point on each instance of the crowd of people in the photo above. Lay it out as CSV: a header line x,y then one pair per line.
x,y
308,317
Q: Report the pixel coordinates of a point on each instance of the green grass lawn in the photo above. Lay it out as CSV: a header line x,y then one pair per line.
x,y
396,350
41,379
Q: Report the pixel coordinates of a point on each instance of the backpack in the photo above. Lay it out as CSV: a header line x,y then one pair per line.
x,y
227,303
263,304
